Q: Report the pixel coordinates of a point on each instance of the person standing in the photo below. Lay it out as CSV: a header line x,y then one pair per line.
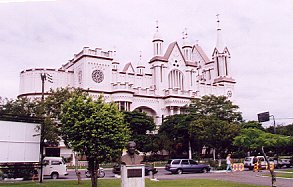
x,y
35,175
255,164
228,162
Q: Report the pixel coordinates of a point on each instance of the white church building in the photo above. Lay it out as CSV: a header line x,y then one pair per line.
x,y
161,86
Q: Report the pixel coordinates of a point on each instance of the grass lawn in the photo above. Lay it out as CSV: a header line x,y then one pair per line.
x,y
116,183
285,174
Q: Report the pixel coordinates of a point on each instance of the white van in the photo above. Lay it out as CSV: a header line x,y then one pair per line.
x,y
54,167
248,162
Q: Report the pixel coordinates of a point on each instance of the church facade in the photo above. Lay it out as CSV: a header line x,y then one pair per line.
x,y
174,76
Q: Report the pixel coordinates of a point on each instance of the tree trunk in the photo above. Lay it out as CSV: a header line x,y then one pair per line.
x,y
274,180
93,167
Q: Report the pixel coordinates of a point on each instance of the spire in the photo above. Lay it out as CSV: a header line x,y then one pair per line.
x,y
220,45
157,35
140,59
186,41
140,67
158,42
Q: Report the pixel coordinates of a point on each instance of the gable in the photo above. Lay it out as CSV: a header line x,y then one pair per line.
x,y
199,54
128,68
174,55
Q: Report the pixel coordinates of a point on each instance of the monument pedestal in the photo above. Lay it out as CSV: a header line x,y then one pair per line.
x,y
132,176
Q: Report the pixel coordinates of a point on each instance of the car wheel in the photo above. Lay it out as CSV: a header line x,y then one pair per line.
x,y
54,176
179,171
204,170
101,174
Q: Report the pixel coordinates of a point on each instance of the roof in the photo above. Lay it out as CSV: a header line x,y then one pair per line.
x,y
127,66
201,53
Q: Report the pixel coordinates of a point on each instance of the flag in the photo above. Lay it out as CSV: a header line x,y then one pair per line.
x,y
49,77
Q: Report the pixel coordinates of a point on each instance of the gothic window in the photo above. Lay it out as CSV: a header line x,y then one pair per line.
x,y
226,66
218,66
175,79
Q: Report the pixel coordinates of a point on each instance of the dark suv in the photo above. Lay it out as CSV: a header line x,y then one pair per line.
x,y
185,165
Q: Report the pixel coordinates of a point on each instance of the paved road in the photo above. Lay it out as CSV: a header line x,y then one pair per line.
x,y
247,177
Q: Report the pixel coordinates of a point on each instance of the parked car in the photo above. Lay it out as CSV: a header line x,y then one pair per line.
x,y
180,166
100,174
281,162
148,169
248,162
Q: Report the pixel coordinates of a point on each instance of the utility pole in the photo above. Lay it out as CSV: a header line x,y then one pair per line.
x,y
274,123
43,78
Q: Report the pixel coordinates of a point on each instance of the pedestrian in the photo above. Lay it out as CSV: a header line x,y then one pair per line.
x,y
228,162
35,175
255,163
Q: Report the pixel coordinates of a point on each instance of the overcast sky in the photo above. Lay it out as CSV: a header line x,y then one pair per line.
x,y
258,33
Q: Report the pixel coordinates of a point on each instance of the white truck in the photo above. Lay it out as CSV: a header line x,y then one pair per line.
x,y
20,151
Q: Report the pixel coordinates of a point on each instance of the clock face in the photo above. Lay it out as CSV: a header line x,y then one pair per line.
x,y
97,76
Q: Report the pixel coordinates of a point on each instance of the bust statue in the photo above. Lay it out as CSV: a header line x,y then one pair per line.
x,y
131,158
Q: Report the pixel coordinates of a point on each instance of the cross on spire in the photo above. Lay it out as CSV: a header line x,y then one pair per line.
x,y
157,25
218,20
184,33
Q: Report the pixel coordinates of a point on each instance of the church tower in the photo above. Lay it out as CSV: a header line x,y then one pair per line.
x,y
158,43
221,56
140,67
158,62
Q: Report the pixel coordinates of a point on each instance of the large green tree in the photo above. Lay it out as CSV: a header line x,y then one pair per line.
x,y
215,122
214,133
93,128
174,130
252,139
211,120
216,107
140,123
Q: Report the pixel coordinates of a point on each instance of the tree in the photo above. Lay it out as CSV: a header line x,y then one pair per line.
x,y
252,139
93,128
175,128
284,130
215,122
20,107
52,112
216,107
140,123
252,124
214,133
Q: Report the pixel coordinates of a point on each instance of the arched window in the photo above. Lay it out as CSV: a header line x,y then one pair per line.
x,y
175,79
